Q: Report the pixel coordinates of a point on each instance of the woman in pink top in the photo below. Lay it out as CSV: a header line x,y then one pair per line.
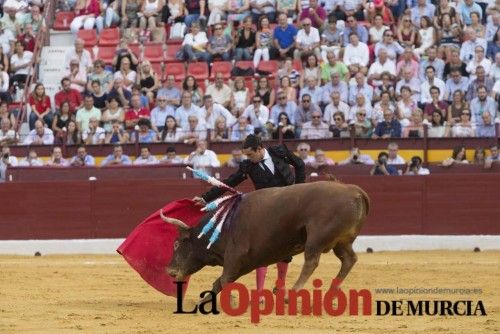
x,y
87,11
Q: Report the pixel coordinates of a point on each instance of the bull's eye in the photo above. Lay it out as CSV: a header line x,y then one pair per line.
x,y
176,244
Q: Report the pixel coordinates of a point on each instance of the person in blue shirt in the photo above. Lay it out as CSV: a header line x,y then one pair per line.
x,y
284,36
389,128
82,158
117,157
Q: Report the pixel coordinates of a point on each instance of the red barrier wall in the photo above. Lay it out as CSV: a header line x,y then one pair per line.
x,y
436,204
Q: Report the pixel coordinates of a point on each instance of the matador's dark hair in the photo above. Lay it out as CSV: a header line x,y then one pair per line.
x,y
253,142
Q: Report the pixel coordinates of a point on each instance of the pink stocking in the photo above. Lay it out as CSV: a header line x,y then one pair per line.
x,y
261,277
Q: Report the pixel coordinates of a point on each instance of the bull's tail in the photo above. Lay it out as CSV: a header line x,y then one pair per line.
x,y
366,202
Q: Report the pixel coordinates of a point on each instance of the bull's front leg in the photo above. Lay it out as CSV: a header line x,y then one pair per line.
x,y
216,288
229,274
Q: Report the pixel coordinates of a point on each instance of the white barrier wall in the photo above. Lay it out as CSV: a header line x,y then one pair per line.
x,y
362,243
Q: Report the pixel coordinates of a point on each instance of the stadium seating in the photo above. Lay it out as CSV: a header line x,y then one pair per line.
x,y
198,70
62,20
224,67
153,52
244,64
89,37
158,69
171,52
106,53
110,36
177,69
136,49
270,66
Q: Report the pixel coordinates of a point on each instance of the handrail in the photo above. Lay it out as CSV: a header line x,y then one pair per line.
x,y
33,70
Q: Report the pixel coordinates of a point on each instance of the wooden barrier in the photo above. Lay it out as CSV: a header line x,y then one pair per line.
x,y
458,204
161,172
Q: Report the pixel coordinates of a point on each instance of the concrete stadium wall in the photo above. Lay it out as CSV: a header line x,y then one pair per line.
x,y
460,204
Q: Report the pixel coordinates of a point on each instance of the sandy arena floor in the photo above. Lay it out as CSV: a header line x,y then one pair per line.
x,y
102,294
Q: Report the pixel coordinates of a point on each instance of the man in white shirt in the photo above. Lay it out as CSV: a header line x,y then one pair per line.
x,y
146,158
6,160
40,135
220,92
194,131
303,150
307,40
211,111
316,128
356,53
415,167
257,112
382,65
334,106
94,135
79,52
202,158
430,81
20,63
7,134
394,158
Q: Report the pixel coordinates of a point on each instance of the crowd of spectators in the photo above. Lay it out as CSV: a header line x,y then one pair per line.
x,y
369,69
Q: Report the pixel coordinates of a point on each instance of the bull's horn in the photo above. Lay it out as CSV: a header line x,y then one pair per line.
x,y
174,221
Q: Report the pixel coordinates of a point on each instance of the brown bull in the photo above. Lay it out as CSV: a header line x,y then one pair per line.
x,y
273,224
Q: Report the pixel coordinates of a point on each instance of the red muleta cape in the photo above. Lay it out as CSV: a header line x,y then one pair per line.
x,y
150,246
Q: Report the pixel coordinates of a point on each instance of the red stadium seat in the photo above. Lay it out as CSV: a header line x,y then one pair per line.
x,y
244,64
270,66
136,49
177,70
249,83
202,85
198,70
110,36
222,66
171,52
172,41
154,52
89,37
62,20
158,69
106,53
297,65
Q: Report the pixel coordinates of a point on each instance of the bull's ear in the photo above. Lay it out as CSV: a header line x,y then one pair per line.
x,y
183,232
